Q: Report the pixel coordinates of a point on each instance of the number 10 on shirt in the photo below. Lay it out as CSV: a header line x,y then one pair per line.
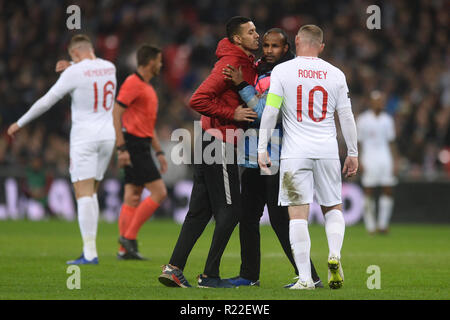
x,y
108,89
311,103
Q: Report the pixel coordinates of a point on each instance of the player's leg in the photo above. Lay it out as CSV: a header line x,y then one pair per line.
x,y
328,186
147,207
301,245
194,224
131,199
95,197
142,172
197,217
87,219
279,220
223,185
83,175
296,192
370,180
386,203
253,201
369,210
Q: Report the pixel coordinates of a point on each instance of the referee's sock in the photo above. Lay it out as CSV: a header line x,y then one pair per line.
x,y
143,212
126,215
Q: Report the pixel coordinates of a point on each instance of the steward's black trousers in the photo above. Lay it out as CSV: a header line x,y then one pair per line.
x,y
257,191
215,193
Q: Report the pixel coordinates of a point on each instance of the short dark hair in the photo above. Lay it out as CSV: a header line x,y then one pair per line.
x,y
146,53
280,31
78,38
234,26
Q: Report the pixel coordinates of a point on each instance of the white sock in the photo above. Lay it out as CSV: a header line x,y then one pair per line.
x,y
369,214
88,219
97,207
335,229
386,203
301,247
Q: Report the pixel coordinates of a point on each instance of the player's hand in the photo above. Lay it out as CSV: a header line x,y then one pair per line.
x,y
162,163
264,162
350,166
123,158
62,65
230,73
13,129
244,114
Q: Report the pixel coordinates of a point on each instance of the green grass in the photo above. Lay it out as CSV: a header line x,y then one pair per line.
x,y
414,262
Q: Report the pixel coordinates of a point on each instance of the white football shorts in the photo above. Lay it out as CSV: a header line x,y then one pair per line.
x,y
299,178
377,172
90,160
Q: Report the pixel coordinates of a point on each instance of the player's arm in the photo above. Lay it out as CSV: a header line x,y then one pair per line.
x,y
247,92
123,156
269,119
395,156
268,123
206,99
117,116
349,131
63,86
159,153
62,65
393,145
360,134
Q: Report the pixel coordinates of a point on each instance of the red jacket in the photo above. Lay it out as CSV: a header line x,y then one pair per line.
x,y
216,99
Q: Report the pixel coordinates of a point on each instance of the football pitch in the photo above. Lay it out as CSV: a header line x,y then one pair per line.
x,y
413,261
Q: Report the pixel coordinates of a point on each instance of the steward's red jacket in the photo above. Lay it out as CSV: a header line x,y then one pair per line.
x,y
216,98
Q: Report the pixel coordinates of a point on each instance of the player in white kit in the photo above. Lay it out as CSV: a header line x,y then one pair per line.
x,y
91,82
376,134
308,91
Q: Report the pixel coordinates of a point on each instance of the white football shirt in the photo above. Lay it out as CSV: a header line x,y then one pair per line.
x,y
92,87
375,133
312,90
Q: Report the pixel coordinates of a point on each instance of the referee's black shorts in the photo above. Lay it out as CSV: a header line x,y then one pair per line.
x,y
143,169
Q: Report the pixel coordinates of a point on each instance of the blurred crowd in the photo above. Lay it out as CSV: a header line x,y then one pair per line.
x,y
408,59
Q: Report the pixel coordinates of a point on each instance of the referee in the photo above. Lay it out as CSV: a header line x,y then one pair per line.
x,y
134,121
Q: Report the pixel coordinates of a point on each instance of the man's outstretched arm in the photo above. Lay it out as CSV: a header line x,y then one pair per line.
x,y
63,86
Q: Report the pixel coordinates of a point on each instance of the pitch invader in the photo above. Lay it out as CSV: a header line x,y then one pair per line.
x,y
309,160
376,134
91,82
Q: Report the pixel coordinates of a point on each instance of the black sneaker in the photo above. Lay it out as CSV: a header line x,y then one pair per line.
x,y
239,281
173,277
318,284
129,256
207,282
131,248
